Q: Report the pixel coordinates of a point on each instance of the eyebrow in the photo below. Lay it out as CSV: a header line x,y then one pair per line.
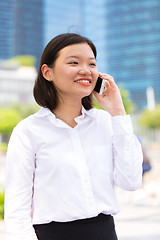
x,y
72,56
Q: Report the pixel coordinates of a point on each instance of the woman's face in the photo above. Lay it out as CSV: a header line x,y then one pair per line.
x,y
75,71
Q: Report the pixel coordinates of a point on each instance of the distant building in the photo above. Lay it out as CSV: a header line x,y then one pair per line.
x,y
62,16
16,85
126,34
133,46
21,28
6,29
87,17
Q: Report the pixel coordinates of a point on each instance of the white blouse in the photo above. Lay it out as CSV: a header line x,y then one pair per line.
x,y
58,173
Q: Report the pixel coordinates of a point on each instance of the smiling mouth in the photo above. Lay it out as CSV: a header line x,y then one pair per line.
x,y
84,80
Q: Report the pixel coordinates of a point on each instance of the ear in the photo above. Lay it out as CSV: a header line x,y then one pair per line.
x,y
47,72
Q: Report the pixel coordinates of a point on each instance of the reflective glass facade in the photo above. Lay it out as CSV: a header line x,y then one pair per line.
x,y
87,17
60,17
6,29
126,34
28,27
133,46
94,27
21,28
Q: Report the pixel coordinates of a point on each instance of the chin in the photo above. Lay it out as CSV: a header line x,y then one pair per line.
x,y
86,94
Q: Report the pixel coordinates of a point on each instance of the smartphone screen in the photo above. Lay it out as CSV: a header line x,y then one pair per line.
x,y
98,85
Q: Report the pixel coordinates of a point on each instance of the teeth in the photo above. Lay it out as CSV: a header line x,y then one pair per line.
x,y
85,81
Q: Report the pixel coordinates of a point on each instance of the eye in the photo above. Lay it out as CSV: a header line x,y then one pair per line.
x,y
74,63
93,64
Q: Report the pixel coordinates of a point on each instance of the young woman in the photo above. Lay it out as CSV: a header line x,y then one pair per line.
x,y
63,161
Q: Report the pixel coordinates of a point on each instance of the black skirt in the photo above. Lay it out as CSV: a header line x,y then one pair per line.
x,y
97,228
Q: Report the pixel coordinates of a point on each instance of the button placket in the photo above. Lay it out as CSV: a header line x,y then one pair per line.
x,y
83,169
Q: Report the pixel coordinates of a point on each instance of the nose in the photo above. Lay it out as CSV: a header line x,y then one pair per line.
x,y
85,71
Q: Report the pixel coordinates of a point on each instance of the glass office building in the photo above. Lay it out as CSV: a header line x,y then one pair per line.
x,y
21,28
6,29
28,29
87,17
94,27
133,46
61,16
126,34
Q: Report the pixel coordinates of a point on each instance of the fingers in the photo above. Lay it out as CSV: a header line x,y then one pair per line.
x,y
98,97
106,76
96,94
109,78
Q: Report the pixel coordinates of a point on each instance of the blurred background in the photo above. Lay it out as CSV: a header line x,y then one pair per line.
x,y
127,36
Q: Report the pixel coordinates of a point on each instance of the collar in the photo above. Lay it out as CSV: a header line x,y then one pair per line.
x,y
90,112
43,112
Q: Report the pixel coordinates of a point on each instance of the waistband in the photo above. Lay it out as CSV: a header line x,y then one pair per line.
x,y
100,218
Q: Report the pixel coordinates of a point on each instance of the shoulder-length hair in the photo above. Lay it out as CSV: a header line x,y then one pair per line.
x,y
45,93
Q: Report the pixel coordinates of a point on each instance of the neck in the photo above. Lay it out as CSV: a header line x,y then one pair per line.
x,y
67,111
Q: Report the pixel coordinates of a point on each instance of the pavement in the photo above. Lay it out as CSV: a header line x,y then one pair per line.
x,y
2,236
139,218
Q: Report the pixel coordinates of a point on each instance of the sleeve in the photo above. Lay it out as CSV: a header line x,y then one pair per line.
x,y
20,166
127,154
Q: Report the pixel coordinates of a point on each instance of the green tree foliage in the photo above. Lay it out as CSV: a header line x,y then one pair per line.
x,y
150,119
8,120
128,104
1,205
24,60
3,147
26,110
9,117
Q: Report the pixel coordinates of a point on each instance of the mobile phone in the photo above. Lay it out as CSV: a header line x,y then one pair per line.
x,y
100,86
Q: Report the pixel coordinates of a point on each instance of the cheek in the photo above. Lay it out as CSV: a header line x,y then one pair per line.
x,y
69,71
61,74
95,74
